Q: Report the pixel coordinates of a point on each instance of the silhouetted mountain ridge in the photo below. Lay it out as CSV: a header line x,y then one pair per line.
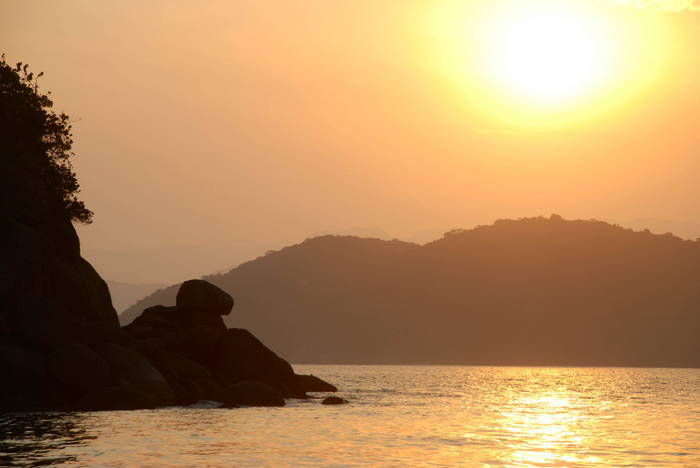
x,y
533,291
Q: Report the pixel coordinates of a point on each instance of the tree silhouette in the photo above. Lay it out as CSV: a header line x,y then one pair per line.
x,y
34,136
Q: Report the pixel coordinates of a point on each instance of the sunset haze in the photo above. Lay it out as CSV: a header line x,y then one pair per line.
x,y
224,130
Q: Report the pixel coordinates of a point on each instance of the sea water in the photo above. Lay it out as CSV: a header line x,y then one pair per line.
x,y
398,416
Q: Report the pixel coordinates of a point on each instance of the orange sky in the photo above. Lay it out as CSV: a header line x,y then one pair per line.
x,y
211,133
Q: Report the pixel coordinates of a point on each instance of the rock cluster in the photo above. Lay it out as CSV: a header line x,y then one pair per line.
x,y
168,356
200,359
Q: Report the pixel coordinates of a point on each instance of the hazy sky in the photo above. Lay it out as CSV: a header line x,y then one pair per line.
x,y
209,131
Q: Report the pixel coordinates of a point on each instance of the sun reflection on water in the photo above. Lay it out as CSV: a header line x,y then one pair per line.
x,y
552,426
542,417
402,416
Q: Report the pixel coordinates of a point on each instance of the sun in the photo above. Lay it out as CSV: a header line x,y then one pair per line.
x,y
548,63
549,55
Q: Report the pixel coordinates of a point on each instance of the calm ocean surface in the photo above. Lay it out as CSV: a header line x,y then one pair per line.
x,y
413,415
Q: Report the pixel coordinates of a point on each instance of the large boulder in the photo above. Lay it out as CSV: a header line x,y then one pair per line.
x,y
251,393
241,356
202,296
133,370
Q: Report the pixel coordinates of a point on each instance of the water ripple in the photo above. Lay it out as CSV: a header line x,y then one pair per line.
x,y
398,415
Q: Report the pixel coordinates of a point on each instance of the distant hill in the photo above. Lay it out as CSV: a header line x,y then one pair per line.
x,y
534,291
127,294
682,229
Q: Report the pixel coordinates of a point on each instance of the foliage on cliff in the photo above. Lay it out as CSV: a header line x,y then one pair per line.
x,y
34,137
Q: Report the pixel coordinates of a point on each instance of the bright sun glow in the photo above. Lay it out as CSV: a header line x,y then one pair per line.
x,y
547,55
549,63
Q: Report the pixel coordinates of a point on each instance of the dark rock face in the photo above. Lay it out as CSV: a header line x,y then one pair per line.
x,y
79,368
50,299
49,295
334,400
24,377
132,370
241,356
189,380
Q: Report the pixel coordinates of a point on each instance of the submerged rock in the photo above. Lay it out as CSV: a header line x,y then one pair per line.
x,y
334,400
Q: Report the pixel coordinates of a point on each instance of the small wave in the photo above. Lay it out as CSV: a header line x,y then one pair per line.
x,y
205,404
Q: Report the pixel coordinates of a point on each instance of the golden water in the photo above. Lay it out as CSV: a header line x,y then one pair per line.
x,y
398,416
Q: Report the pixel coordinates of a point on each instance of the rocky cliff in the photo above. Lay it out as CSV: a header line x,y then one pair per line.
x,y
49,295
60,342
